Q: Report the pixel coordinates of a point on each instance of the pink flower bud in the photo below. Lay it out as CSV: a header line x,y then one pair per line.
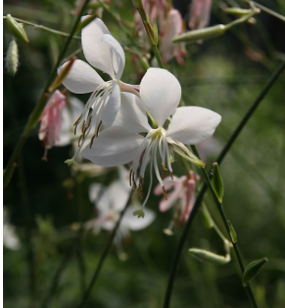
x,y
200,14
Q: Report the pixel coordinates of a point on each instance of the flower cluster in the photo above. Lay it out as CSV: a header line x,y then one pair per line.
x,y
137,125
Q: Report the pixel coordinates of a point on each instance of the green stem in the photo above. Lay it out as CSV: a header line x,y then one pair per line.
x,y
266,9
200,196
43,28
225,221
103,257
36,113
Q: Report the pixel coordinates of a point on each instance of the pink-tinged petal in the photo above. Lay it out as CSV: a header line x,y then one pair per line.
x,y
112,106
115,146
192,125
160,93
168,183
133,222
82,78
200,14
118,55
172,197
97,52
68,116
132,115
191,197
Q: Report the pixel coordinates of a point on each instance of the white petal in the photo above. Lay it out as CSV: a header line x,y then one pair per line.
x,y
132,114
115,146
192,125
112,106
82,78
133,222
160,93
124,177
118,55
94,190
119,195
172,197
97,52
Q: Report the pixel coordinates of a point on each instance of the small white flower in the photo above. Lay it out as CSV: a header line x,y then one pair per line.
x,y
10,238
109,206
131,138
103,52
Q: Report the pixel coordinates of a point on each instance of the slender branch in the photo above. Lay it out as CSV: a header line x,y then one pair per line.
x,y
220,158
43,28
266,9
225,221
36,113
103,257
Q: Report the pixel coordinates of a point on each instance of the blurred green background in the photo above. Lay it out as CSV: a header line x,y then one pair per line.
x,y
224,74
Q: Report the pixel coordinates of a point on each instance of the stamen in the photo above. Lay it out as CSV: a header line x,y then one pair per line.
x,y
171,175
88,125
141,187
80,138
82,127
98,127
76,123
91,142
134,183
130,177
164,192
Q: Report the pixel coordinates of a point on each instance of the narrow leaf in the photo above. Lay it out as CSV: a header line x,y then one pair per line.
x,y
217,182
210,257
252,270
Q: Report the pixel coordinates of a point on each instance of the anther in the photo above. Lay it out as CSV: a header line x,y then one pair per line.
x,y
164,192
171,175
76,123
141,187
130,178
82,127
98,127
164,170
91,142
89,122
133,180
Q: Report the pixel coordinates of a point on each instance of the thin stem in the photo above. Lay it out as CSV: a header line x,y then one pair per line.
x,y
225,221
266,9
103,257
43,28
36,113
200,196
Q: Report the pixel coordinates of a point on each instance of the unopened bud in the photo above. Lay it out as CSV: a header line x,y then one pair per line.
x,y
252,270
12,58
63,72
16,29
210,257
168,232
207,219
237,11
217,182
200,34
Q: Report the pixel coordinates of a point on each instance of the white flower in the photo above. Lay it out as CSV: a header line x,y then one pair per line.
x,y
109,206
131,138
103,52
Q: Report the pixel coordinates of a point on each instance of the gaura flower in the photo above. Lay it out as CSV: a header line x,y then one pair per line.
x,y
132,139
50,127
109,206
103,52
200,14
181,192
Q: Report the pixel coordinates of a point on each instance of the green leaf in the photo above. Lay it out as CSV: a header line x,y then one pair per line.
x,y
232,232
217,182
252,270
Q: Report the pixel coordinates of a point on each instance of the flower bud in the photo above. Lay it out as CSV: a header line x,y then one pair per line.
x,y
12,58
16,29
200,34
210,257
207,219
237,11
252,270
217,182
